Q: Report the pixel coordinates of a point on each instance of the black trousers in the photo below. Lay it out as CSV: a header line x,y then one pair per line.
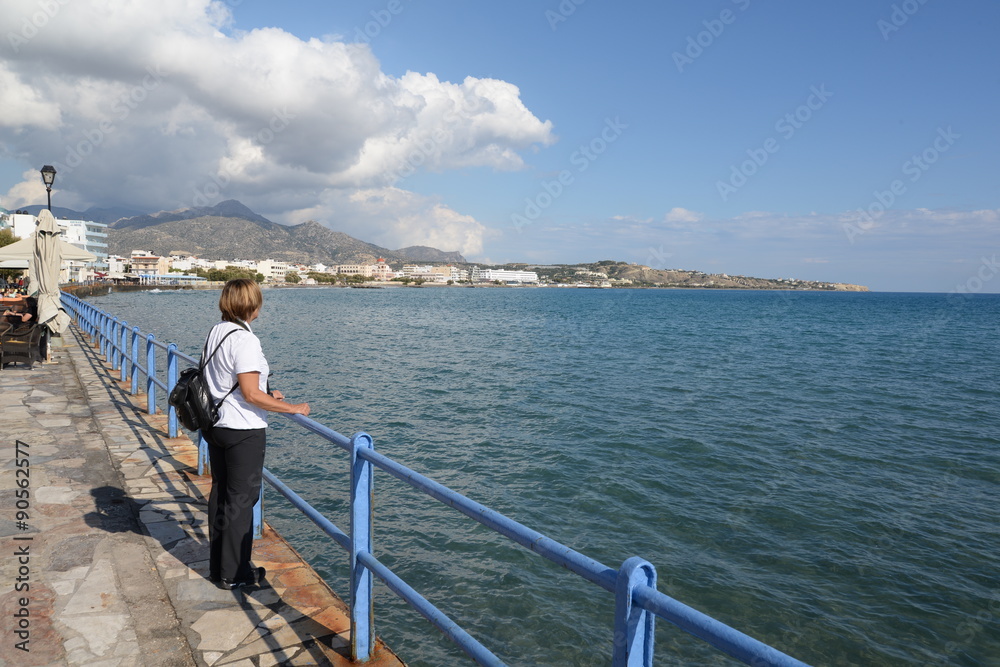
x,y
237,459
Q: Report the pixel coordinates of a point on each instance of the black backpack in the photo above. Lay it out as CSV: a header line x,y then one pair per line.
x,y
191,398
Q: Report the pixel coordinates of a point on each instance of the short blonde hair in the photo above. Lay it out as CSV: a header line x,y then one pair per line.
x,y
240,298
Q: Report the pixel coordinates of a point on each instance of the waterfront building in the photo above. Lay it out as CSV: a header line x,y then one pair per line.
x,y
428,273
85,234
382,271
503,275
148,264
377,271
364,270
414,271
116,266
181,263
92,237
273,270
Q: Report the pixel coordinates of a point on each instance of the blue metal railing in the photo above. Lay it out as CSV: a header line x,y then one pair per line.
x,y
637,602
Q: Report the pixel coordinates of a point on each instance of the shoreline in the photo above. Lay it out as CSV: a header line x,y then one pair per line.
x,y
101,289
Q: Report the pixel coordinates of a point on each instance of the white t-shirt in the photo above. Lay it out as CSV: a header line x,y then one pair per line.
x,y
240,353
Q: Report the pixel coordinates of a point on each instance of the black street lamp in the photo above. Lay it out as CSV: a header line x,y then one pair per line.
x,y
48,177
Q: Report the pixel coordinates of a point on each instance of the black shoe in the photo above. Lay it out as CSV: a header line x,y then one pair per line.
x,y
256,576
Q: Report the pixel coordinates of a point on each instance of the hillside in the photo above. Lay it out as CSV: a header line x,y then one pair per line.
x,y
422,253
238,238
230,230
640,275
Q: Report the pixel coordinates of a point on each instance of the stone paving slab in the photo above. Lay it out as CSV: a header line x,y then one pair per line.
x,y
108,563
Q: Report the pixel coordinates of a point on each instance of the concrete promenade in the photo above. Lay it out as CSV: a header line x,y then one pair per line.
x,y
106,564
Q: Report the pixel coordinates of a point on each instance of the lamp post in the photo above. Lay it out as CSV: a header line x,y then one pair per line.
x,y
48,177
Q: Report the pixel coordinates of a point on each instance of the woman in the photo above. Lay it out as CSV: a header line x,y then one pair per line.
x,y
237,376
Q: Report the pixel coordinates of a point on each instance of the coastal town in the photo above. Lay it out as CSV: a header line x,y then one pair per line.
x,y
182,268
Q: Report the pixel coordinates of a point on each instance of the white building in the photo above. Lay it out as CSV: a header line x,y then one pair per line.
x,y
272,270
591,274
182,263
22,224
92,237
116,266
503,275
377,271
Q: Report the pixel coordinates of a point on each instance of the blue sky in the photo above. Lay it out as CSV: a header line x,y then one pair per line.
x,y
851,141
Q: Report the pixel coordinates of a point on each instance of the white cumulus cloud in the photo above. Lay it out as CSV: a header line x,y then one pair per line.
x,y
396,218
160,105
678,214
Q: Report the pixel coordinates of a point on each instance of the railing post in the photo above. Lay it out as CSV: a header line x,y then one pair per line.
x,y
150,375
123,357
99,331
633,625
112,342
135,361
171,381
106,337
362,612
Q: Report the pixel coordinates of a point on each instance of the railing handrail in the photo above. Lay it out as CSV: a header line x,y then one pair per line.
x,y
634,583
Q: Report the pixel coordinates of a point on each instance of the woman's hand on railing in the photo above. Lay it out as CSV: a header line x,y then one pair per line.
x,y
298,408
274,401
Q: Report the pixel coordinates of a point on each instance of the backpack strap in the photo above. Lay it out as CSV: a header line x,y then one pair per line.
x,y
204,361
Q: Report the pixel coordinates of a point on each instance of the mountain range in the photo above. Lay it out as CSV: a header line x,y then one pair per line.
x,y
230,230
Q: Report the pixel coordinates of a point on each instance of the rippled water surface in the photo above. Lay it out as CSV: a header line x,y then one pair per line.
x,y
819,470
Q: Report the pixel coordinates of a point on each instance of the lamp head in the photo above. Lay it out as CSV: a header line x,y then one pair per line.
x,y
48,175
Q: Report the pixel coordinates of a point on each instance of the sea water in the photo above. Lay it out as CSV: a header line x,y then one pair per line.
x,y
818,470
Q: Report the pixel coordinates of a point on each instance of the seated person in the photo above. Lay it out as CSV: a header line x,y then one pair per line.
x,y
23,315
